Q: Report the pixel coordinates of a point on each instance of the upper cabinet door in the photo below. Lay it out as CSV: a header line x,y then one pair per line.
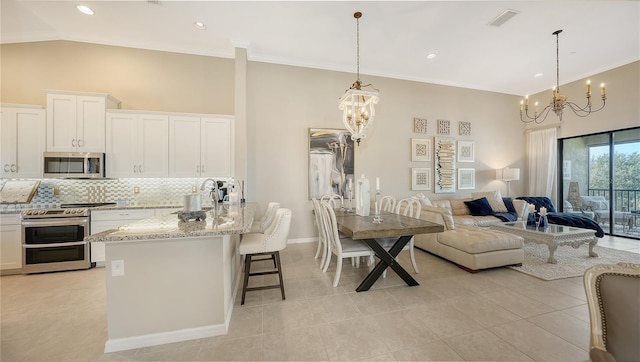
x,y
61,123
23,142
122,145
90,124
217,146
184,146
30,142
153,145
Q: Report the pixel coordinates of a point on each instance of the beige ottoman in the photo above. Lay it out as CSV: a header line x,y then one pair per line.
x,y
474,248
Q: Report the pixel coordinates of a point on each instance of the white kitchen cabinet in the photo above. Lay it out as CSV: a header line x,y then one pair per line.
x,y
23,137
137,144
76,121
102,220
200,146
10,244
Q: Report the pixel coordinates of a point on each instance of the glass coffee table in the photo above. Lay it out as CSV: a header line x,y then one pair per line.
x,y
553,236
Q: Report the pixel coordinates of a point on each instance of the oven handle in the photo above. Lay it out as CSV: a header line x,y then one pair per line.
x,y
60,222
53,245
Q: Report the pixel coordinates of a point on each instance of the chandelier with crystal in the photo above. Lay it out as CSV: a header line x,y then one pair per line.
x,y
357,105
559,102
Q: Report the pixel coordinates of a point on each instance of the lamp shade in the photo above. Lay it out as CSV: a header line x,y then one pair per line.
x,y
508,174
511,174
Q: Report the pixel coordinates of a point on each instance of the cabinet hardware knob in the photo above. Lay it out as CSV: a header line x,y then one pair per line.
x,y
6,167
14,168
80,143
134,169
73,142
139,168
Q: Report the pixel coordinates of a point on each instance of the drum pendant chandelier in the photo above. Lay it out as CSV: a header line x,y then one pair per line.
x,y
559,102
357,105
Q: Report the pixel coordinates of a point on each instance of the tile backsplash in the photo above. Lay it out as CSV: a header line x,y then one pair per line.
x,y
132,191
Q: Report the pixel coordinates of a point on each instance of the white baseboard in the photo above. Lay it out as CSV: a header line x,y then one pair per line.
x,y
122,344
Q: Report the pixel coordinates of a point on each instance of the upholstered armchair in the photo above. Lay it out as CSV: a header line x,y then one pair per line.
x,y
613,297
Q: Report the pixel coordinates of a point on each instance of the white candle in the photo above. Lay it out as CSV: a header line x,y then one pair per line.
x,y
377,183
543,210
532,207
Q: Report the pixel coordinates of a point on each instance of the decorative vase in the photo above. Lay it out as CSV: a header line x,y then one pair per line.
x,y
531,219
543,223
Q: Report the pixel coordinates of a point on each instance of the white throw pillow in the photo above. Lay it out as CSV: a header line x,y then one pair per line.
x,y
423,199
567,206
494,198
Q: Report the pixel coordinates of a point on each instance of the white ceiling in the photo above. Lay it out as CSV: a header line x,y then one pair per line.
x,y
395,37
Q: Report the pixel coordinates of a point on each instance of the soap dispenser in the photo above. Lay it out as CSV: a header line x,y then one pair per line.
x,y
363,196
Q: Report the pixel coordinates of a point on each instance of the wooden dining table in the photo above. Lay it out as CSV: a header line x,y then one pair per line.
x,y
392,225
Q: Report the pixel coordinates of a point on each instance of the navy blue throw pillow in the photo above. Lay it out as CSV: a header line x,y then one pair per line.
x,y
479,207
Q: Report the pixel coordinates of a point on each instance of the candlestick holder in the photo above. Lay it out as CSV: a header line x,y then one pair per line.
x,y
531,219
350,192
376,216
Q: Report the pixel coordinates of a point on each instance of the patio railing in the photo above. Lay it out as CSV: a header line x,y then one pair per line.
x,y
625,200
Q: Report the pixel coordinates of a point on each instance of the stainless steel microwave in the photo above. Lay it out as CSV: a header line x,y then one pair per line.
x,y
77,165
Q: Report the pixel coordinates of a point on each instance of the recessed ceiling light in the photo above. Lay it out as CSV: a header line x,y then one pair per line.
x,y
84,9
431,55
200,25
538,75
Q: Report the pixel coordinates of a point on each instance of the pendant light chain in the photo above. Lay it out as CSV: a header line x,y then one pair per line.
x,y
357,48
558,60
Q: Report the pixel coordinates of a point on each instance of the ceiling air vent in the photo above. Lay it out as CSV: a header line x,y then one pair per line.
x,y
503,17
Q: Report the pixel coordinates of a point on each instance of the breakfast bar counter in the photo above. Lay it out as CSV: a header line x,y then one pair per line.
x,y
169,280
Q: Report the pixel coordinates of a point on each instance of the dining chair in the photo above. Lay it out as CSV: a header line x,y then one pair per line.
x,y
388,203
612,293
335,200
323,247
344,247
259,226
268,243
410,207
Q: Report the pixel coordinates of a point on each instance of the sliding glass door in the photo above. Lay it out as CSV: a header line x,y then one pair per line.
x,y
600,178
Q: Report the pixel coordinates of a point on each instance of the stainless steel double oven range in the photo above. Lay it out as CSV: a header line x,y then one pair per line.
x,y
53,239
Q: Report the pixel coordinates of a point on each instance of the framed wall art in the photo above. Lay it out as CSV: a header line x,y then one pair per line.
x,y
464,128
331,161
420,149
466,178
445,172
420,179
420,125
444,127
466,151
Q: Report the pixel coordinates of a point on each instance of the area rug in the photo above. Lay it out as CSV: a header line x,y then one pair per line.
x,y
571,262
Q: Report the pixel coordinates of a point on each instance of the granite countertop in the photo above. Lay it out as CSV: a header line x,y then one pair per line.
x,y
225,220
17,209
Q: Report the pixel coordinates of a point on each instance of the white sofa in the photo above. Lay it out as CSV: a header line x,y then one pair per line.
x,y
462,215
471,247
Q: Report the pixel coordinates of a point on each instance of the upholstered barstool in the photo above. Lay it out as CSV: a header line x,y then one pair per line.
x,y
268,244
260,225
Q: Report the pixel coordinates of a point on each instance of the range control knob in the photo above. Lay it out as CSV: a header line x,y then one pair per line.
x,y
42,212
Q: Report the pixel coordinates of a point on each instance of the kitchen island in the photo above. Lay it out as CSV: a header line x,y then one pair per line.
x,y
168,280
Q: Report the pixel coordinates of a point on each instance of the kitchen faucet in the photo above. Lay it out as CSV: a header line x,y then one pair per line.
x,y
214,190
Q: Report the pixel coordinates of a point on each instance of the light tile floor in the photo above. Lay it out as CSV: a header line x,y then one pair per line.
x,y
494,315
